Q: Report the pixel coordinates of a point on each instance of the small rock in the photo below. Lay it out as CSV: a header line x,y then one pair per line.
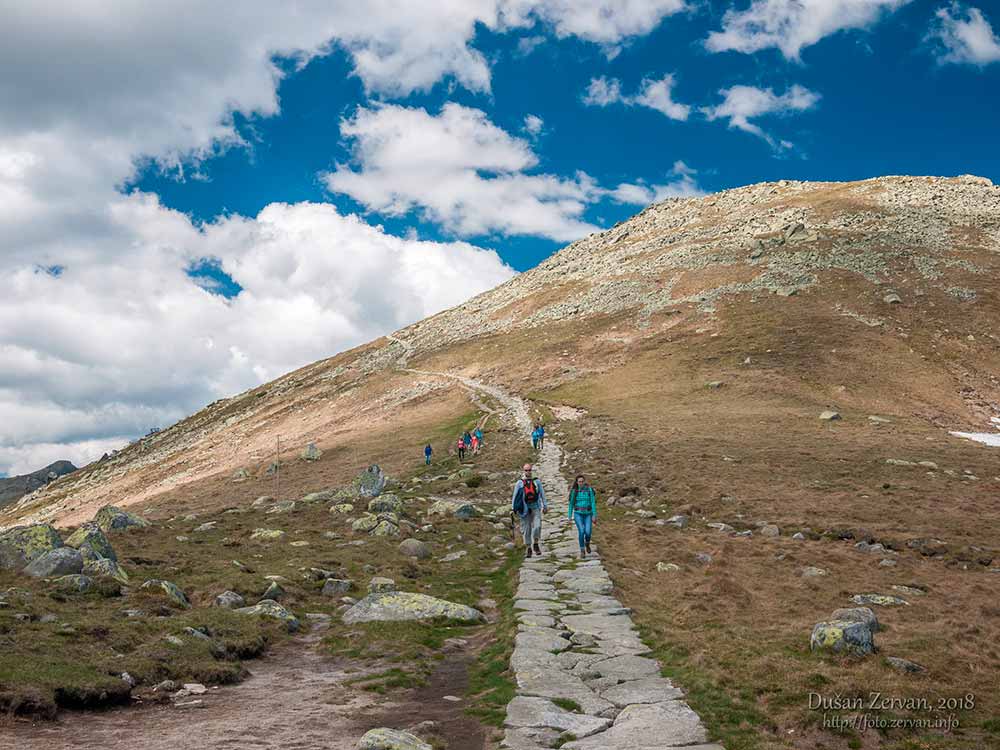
x,y
229,600
267,535
379,585
703,557
881,600
171,590
812,572
209,526
384,738
663,567
274,591
336,586
798,536
770,530
311,453
829,416
415,548
892,299
270,608
887,563
680,521
904,665
842,637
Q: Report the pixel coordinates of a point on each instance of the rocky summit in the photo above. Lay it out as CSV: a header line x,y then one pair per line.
x,y
778,393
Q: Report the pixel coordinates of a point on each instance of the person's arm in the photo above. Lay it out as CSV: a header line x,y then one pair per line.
x,y
593,504
541,496
513,497
569,502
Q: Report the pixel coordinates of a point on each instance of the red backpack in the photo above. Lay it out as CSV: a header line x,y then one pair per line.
x,y
530,492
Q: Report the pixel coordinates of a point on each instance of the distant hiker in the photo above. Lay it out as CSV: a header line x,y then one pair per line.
x,y
468,439
460,446
475,446
479,434
534,437
427,454
528,501
583,510
541,436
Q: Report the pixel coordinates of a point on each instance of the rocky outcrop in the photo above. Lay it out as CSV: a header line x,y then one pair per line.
x,y
14,488
397,606
112,518
271,609
24,544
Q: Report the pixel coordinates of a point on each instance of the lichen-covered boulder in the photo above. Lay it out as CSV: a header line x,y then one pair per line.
x,y
366,523
27,543
267,535
456,508
845,637
112,518
270,608
105,568
91,542
274,591
61,561
385,527
317,497
387,503
342,508
171,590
383,738
371,481
311,453
74,584
229,600
396,606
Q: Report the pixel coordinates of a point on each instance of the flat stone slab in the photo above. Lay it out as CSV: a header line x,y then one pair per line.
x,y
538,712
543,639
549,683
590,585
646,690
535,620
529,738
626,667
650,726
537,605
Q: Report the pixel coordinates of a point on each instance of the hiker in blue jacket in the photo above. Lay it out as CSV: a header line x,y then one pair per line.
x,y
479,436
427,454
528,502
536,435
541,436
583,510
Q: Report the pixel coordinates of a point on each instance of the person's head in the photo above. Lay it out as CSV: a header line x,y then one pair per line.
x,y
580,481
527,470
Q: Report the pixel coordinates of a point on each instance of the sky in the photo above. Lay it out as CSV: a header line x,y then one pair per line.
x,y
196,199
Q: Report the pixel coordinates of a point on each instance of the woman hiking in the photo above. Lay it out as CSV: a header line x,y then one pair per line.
x,y
583,510
427,454
460,447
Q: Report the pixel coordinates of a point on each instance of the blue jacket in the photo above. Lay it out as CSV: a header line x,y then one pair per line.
x,y
519,490
584,499
427,450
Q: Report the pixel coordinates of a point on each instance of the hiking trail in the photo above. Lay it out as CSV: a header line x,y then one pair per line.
x,y
577,643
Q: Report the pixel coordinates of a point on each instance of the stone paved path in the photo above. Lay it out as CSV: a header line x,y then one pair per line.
x,y
576,642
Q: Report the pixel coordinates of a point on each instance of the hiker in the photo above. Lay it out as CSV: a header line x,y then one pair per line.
x,y
479,435
468,439
583,510
475,446
528,501
541,436
427,454
460,445
534,437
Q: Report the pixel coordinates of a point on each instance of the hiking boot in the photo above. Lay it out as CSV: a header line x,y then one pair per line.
x,y
588,548
582,553
538,550
528,552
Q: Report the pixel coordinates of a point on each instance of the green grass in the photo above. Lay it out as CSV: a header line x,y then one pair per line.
x,y
567,704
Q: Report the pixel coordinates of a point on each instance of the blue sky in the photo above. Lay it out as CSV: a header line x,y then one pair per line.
x,y
886,106
197,198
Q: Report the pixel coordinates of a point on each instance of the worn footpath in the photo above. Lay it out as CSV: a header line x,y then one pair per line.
x,y
577,646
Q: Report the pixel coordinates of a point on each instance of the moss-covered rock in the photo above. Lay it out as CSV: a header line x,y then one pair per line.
x,y
270,608
113,518
318,497
105,568
846,637
171,590
456,508
342,508
396,606
366,523
91,542
882,600
29,543
385,528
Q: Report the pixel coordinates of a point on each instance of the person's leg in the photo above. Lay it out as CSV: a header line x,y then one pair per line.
x,y
581,534
537,528
588,529
526,521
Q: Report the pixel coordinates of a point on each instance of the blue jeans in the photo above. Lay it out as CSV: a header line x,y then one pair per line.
x,y
584,527
427,460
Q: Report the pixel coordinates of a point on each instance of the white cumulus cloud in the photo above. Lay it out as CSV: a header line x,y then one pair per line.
x,y
965,36
683,185
792,25
654,93
740,104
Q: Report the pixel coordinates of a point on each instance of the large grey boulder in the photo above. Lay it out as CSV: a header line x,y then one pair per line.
x,y
113,518
384,738
61,561
370,482
105,568
397,606
857,614
91,542
385,503
229,600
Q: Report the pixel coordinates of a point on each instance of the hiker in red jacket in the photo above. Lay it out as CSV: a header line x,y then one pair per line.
x,y
460,446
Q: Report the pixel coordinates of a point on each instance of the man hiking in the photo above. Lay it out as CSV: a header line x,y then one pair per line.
x,y
583,510
427,454
541,436
534,437
528,501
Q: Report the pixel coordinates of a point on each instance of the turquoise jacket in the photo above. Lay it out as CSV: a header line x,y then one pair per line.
x,y
584,501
